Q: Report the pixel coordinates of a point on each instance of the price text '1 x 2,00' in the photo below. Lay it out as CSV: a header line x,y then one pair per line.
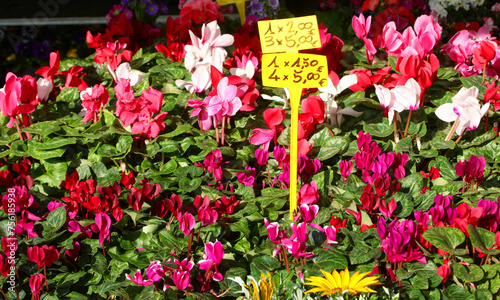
x,y
293,34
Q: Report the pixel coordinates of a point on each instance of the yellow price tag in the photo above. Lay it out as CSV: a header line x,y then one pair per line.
x,y
240,6
294,69
288,35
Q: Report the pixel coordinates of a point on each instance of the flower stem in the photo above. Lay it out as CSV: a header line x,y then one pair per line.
x,y
396,137
452,130
407,124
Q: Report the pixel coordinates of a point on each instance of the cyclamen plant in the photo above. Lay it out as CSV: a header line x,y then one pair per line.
x,y
163,172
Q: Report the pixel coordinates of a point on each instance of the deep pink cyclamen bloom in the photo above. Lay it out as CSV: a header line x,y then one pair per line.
x,y
36,255
36,283
155,271
262,156
19,96
308,194
399,241
186,222
345,168
137,279
214,252
102,225
180,276
212,164
93,99
473,169
248,179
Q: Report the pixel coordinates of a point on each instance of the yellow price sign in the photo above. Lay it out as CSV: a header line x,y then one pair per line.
x,y
288,35
240,6
294,69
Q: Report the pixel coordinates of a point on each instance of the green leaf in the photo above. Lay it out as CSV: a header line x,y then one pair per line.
x,y
474,274
332,146
69,95
99,263
474,80
361,254
446,238
427,270
45,154
482,294
483,239
189,185
241,226
455,292
328,260
267,263
379,129
43,128
55,219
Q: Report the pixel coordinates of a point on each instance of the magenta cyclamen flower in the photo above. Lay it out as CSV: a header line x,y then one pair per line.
x,y
262,156
399,241
93,99
473,169
212,164
102,225
308,194
247,179
36,283
137,279
155,271
214,252
345,168
186,222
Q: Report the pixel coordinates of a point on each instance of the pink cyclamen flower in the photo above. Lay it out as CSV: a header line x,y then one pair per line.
x,y
248,179
103,224
155,271
137,279
93,99
308,212
308,193
36,283
473,169
345,168
361,25
214,252
226,102
331,234
186,222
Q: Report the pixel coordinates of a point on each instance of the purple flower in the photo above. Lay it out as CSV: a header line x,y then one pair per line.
x,y
125,2
274,3
163,8
152,9
23,48
41,50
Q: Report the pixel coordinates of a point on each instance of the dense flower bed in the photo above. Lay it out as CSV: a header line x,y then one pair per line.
x,y
159,166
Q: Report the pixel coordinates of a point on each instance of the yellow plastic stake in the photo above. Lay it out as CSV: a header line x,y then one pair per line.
x,y
293,71
240,6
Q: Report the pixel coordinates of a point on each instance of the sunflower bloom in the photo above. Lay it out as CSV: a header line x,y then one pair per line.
x,y
342,282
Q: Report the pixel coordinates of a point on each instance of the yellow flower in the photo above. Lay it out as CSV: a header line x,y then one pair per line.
x,y
11,57
343,283
262,290
72,53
